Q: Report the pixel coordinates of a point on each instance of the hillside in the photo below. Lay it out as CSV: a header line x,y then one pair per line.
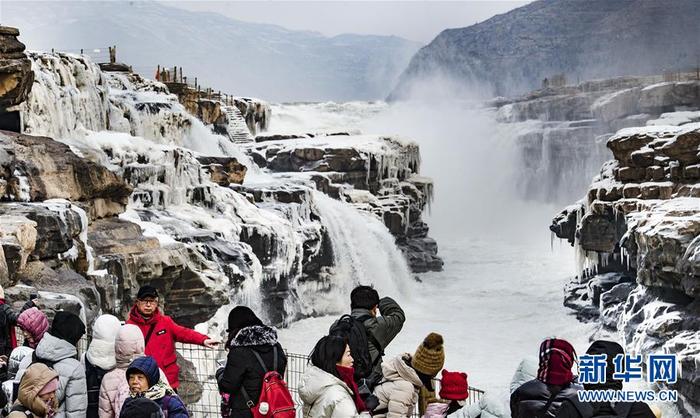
x,y
250,59
513,52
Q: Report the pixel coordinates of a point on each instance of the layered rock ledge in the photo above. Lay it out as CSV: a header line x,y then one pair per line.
x,y
637,235
376,174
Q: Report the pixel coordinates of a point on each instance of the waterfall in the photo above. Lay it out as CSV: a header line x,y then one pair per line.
x,y
69,94
364,252
136,128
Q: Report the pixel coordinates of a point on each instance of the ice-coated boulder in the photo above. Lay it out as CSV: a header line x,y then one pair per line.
x,y
39,168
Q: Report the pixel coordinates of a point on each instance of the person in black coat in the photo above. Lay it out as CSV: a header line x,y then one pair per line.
x,y
542,397
8,321
572,408
8,339
243,372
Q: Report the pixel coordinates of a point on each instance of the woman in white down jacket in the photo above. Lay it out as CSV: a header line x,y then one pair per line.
x,y
405,375
327,388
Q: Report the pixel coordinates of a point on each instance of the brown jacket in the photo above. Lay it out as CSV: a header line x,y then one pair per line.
x,y
34,379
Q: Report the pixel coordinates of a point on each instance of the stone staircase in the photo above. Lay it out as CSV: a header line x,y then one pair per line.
x,y
237,128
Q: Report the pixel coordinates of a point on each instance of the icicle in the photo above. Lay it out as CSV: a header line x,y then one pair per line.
x,y
551,240
625,258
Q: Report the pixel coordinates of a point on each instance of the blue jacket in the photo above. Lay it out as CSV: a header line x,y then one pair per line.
x,y
171,404
172,407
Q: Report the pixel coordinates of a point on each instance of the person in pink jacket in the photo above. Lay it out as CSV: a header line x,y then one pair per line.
x,y
114,390
34,325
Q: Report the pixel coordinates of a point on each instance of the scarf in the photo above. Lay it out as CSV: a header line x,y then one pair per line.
x,y
347,376
155,392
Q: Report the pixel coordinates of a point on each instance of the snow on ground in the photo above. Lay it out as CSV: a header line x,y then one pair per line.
x,y
676,118
321,117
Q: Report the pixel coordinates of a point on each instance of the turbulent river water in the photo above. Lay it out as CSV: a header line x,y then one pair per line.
x,y
501,290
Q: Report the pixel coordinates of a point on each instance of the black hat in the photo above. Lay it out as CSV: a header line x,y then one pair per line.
x,y
611,349
147,291
240,317
67,326
140,408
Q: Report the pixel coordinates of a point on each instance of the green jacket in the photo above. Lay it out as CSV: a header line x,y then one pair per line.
x,y
384,328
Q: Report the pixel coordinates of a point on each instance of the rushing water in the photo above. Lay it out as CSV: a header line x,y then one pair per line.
x,y
501,292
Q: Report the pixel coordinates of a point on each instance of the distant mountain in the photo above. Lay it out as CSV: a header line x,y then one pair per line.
x,y
513,52
242,58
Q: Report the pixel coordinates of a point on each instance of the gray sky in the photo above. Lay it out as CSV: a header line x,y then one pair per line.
x,y
415,20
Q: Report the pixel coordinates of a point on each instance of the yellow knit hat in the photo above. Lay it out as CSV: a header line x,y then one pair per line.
x,y
430,356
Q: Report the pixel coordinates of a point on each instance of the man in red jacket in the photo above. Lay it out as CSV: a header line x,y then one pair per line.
x,y
161,333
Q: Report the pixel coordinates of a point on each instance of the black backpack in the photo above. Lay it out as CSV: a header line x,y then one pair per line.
x,y
21,408
354,331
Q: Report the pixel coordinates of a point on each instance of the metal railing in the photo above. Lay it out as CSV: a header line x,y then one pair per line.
x,y
97,55
199,390
174,78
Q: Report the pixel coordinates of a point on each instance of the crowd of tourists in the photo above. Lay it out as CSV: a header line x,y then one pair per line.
x,y
130,370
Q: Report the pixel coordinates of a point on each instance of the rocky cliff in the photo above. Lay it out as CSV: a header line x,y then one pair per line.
x,y
561,132
379,175
239,118
637,235
113,183
515,51
15,72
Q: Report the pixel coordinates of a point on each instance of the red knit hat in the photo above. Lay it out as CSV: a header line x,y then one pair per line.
x,y
454,386
557,357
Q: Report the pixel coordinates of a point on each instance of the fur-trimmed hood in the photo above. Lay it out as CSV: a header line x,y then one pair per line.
x,y
255,335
